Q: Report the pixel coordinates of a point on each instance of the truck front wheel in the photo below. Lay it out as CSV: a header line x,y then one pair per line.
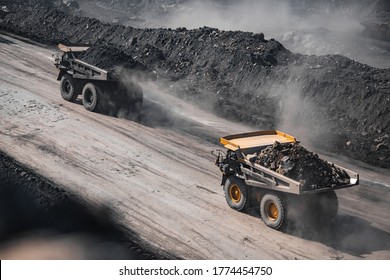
x,y
236,193
67,88
91,96
272,211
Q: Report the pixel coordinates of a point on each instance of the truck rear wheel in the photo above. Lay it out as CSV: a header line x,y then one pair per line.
x,y
139,97
272,211
68,88
134,98
328,206
136,108
91,96
236,193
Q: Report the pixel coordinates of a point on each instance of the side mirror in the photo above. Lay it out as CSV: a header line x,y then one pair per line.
x,y
240,155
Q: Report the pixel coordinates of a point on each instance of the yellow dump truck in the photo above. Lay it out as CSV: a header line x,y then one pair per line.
x,y
249,184
98,87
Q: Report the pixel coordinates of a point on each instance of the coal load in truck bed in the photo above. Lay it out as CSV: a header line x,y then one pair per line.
x,y
111,59
297,163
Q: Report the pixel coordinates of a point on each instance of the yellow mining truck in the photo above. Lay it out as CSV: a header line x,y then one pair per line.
x,y
249,184
99,88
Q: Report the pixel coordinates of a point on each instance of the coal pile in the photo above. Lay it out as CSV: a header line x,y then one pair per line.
x,y
235,74
297,163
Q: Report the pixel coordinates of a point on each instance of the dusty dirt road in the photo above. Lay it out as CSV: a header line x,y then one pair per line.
x,y
158,175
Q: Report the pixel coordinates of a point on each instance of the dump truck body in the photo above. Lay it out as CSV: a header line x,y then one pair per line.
x,y
69,63
98,87
244,145
251,179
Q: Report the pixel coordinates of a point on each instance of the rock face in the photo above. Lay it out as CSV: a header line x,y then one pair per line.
x,y
342,105
295,162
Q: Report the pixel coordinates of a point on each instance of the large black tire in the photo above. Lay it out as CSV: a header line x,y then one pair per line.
x,y
236,194
91,96
139,96
272,211
68,88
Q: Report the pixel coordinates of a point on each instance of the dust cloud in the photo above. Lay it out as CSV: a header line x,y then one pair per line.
x,y
155,109
346,233
299,116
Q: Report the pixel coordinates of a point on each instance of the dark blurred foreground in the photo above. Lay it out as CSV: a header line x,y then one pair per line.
x,y
39,220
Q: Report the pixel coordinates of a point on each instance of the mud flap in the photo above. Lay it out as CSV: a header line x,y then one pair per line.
x,y
224,178
62,73
59,76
